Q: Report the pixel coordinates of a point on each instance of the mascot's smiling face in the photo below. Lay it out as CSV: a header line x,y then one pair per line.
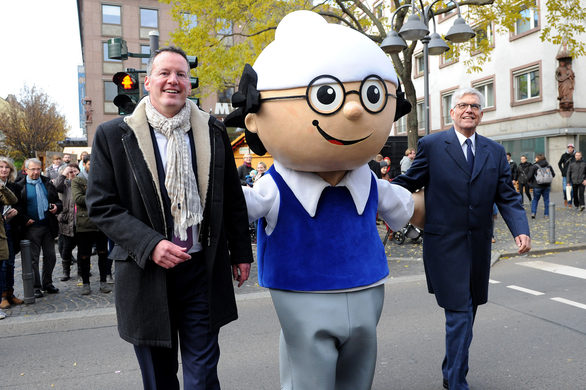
x,y
328,126
327,95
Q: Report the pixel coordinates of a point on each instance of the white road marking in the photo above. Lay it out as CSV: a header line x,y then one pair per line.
x,y
555,268
568,302
493,281
525,290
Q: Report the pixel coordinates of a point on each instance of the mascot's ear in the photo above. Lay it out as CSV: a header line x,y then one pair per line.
x,y
403,105
246,101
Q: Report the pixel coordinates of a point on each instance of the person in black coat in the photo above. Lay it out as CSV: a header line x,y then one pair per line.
x,y
38,205
577,174
523,178
164,186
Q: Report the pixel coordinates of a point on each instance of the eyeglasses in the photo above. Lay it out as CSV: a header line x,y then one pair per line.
x,y
464,106
326,94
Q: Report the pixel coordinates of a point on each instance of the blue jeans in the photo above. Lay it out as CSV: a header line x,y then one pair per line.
x,y
537,193
7,266
565,182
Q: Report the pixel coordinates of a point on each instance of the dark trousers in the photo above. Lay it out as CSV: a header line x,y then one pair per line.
x,y
578,194
66,245
40,238
527,190
188,307
458,339
85,242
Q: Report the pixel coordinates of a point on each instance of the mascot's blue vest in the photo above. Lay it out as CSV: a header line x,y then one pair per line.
x,y
337,249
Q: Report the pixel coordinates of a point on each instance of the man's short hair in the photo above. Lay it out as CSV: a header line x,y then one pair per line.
x,y
73,165
540,157
32,160
171,49
467,91
509,154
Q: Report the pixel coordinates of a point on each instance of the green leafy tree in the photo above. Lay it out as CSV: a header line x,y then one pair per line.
x,y
30,123
230,33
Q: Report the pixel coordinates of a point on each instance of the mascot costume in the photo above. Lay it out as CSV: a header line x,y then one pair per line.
x,y
321,98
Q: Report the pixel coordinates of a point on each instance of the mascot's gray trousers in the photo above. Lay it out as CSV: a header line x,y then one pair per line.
x,y
328,340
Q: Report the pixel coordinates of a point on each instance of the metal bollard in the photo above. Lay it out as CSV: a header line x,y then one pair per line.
x,y
27,271
551,223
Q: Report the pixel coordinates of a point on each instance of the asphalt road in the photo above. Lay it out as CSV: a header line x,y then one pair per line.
x,y
531,335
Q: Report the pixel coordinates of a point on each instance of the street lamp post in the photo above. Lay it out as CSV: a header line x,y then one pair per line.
x,y
416,29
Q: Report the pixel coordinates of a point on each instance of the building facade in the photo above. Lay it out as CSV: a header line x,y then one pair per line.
x,y
132,20
535,101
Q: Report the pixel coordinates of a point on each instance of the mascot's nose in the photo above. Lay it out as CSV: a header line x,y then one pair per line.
x,y
353,110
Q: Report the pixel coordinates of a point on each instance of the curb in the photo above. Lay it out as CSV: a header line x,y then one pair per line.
x,y
497,256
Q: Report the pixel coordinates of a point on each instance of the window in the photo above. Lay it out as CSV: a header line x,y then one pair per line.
x,y
529,20
419,65
110,91
401,125
110,14
421,115
449,57
446,106
106,59
526,84
145,49
487,89
149,18
484,37
378,10
189,20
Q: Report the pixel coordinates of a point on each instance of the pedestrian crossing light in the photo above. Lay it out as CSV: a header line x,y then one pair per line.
x,y
128,92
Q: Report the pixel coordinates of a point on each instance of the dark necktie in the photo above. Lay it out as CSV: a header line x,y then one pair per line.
x,y
469,155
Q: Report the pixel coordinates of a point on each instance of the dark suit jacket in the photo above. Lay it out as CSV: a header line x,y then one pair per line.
x,y
458,214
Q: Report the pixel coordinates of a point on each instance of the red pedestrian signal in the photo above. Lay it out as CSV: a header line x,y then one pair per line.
x,y
128,91
127,82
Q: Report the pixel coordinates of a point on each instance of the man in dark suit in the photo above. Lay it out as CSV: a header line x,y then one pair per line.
x,y
464,174
163,185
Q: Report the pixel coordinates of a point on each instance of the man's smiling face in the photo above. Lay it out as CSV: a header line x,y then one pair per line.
x,y
304,140
168,84
466,119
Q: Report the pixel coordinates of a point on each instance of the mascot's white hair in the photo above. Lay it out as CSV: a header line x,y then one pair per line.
x,y
306,46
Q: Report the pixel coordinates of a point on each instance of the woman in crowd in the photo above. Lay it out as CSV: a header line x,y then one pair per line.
x,y
7,251
87,234
540,176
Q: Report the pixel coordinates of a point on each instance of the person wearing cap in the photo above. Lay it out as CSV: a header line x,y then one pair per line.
x,y
321,98
565,160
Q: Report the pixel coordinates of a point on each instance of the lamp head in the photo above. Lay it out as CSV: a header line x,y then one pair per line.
x,y
460,31
393,43
414,29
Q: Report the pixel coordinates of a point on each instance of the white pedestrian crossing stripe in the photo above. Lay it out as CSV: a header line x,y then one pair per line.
x,y
555,268
525,290
568,302
493,281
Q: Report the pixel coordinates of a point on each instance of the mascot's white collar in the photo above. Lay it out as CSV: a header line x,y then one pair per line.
x,y
308,187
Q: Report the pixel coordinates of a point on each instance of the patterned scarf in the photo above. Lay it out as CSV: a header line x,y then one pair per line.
x,y
42,202
180,180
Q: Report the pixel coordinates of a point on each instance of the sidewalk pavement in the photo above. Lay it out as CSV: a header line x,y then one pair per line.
x,y
404,260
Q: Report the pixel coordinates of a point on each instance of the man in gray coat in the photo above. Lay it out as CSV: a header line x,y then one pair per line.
x,y
164,187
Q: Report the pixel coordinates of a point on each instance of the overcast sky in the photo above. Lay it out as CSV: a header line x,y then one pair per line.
x,y
41,47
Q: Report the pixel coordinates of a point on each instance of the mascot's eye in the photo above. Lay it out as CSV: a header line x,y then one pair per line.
x,y
373,94
327,97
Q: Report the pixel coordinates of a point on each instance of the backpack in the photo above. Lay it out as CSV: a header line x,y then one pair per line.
x,y
543,175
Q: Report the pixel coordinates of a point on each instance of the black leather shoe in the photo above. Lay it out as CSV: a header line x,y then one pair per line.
x,y
38,293
51,289
446,384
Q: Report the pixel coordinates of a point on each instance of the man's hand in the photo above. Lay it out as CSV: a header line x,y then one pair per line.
x,y
10,214
52,208
524,243
241,272
30,222
168,255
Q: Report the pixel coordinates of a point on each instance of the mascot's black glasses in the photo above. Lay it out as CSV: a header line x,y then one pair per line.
x,y
326,94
